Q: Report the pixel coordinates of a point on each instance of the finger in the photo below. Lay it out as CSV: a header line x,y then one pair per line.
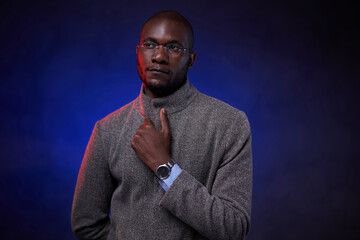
x,y
133,145
164,121
148,122
136,142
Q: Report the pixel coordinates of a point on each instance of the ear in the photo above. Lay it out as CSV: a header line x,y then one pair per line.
x,y
192,59
137,50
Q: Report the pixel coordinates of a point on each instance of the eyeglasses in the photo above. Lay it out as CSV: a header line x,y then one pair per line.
x,y
171,48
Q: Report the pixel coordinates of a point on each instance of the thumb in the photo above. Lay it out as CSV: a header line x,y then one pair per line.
x,y
164,121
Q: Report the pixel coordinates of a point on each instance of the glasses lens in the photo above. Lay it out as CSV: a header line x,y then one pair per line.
x,y
171,49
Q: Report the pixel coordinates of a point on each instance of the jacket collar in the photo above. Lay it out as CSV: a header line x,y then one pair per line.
x,y
175,102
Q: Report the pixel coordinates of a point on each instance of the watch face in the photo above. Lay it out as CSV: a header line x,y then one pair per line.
x,y
162,172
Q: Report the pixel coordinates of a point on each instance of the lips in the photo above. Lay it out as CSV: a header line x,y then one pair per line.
x,y
156,69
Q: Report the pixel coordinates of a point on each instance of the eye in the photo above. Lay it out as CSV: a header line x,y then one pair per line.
x,y
173,47
149,45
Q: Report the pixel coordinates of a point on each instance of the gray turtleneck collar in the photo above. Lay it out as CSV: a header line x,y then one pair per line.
x,y
175,102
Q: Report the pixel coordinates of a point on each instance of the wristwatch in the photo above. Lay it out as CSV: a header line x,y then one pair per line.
x,y
163,171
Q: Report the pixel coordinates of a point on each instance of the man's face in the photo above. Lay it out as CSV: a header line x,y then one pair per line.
x,y
162,72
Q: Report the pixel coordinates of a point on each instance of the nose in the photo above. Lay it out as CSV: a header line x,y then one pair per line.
x,y
160,55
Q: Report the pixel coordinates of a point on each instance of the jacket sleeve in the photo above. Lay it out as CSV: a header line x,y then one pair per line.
x,y
223,210
94,188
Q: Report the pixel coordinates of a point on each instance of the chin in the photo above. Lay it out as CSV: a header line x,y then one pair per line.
x,y
156,82
159,89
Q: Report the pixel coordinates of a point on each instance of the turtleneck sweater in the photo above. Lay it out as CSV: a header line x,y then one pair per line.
x,y
119,197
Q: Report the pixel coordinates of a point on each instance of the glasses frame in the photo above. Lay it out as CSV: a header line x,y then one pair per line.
x,y
152,50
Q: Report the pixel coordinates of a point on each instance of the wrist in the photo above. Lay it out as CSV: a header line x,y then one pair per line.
x,y
163,171
159,162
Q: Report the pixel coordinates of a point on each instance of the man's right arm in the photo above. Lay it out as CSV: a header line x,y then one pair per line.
x,y
94,188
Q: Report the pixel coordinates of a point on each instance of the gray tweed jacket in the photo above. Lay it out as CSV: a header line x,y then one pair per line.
x,y
210,199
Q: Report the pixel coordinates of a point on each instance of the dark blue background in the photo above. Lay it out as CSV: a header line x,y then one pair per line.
x,y
292,67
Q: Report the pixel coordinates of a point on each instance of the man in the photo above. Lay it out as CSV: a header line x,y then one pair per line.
x,y
172,164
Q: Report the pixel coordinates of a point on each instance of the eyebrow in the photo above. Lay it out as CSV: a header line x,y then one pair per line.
x,y
154,40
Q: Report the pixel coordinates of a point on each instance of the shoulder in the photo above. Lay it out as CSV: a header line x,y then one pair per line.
x,y
220,111
116,118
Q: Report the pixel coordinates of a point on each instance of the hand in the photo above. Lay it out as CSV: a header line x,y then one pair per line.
x,y
153,146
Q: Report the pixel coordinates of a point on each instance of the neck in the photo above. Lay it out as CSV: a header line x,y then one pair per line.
x,y
149,93
162,91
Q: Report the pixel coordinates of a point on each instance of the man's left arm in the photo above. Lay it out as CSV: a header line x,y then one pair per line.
x,y
222,212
